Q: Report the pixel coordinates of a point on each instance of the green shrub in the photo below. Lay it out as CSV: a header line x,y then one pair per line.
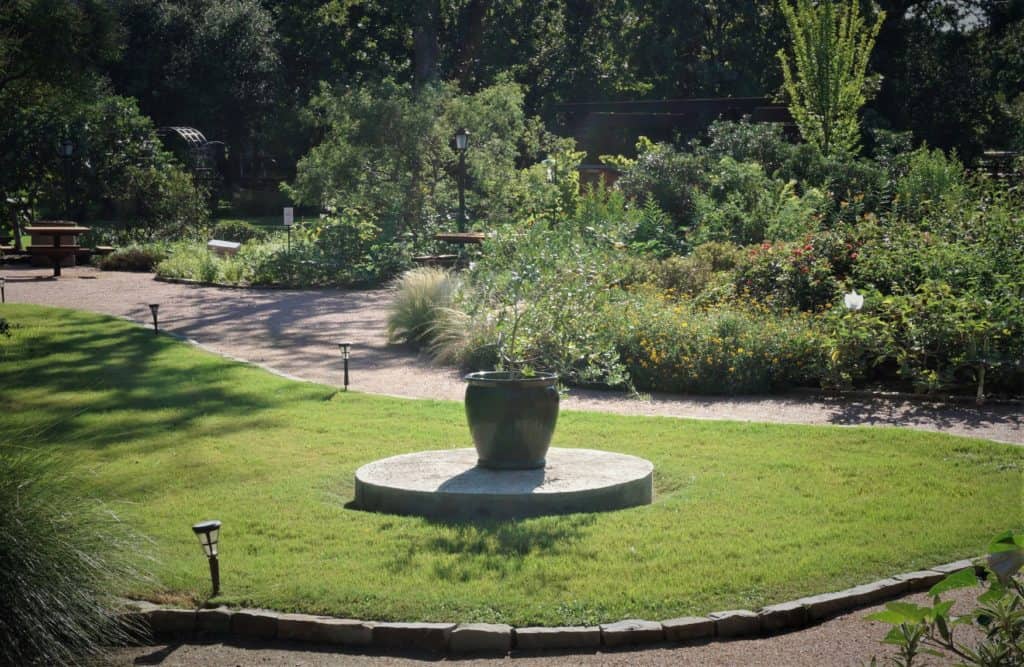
x,y
744,141
670,346
998,617
238,231
668,177
61,558
533,297
932,182
695,273
132,258
743,205
787,275
420,297
190,260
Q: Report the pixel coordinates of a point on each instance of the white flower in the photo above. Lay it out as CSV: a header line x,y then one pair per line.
x,y
853,301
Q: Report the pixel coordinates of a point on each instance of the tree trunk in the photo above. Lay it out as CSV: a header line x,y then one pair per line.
x,y
426,51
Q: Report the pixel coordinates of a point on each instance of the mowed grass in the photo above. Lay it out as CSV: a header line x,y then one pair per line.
x,y
745,514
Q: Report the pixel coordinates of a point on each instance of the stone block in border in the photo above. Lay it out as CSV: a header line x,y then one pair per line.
x,y
736,623
631,631
689,628
255,623
427,636
481,638
172,621
878,591
536,638
324,630
826,605
955,566
783,617
920,580
215,621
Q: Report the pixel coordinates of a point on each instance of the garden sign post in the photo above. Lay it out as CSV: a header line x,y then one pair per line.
x,y
289,218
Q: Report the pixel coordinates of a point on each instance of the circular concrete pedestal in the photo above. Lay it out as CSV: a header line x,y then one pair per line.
x,y
448,485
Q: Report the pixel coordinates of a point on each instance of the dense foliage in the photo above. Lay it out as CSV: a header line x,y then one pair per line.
x,y
741,288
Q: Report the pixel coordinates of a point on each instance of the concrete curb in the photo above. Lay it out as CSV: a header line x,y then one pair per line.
x,y
500,639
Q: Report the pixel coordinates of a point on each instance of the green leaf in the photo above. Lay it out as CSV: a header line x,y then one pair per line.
x,y
1006,542
896,613
944,632
895,636
889,616
994,593
962,579
942,609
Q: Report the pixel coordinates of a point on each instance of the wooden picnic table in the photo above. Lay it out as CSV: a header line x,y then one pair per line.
x,y
56,252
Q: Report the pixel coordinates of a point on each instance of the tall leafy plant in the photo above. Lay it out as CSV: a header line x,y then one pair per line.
x,y
827,79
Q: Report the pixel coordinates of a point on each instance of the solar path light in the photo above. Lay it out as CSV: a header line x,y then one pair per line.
x,y
208,532
153,308
344,347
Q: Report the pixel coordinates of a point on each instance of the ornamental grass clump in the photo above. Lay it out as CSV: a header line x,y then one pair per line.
x,y
421,297
61,559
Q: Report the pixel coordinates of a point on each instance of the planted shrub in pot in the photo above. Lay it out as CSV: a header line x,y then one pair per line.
x,y
512,411
537,290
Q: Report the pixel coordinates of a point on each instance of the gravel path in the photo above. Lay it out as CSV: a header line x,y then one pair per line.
x,y
294,331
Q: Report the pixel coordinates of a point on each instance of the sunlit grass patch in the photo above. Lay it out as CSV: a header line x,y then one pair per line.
x,y
745,514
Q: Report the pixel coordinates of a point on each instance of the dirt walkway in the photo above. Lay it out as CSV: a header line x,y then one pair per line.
x,y
294,331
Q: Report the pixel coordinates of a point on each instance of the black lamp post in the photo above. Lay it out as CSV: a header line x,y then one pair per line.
x,y
345,352
461,144
208,533
153,308
66,149
3,289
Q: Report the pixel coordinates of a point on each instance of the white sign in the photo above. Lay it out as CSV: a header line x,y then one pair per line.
x,y
289,216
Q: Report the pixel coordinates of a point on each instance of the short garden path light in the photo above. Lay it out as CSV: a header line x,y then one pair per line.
x,y
3,289
345,353
208,533
153,308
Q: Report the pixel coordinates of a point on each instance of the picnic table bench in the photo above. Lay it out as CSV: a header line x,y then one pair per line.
x,y
455,238
56,241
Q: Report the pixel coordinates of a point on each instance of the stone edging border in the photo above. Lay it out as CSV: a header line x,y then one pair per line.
x,y
493,638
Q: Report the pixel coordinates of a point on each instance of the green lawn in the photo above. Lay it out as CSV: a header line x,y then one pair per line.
x,y
745,514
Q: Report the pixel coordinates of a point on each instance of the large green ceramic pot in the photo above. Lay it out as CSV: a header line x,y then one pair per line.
x,y
511,418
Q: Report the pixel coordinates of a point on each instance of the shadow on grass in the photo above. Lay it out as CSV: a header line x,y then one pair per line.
x,y
474,549
99,383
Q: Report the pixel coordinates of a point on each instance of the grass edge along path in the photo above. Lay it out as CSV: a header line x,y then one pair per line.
x,y
745,515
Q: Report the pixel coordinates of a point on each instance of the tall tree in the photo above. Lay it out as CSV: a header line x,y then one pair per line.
x,y
827,82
